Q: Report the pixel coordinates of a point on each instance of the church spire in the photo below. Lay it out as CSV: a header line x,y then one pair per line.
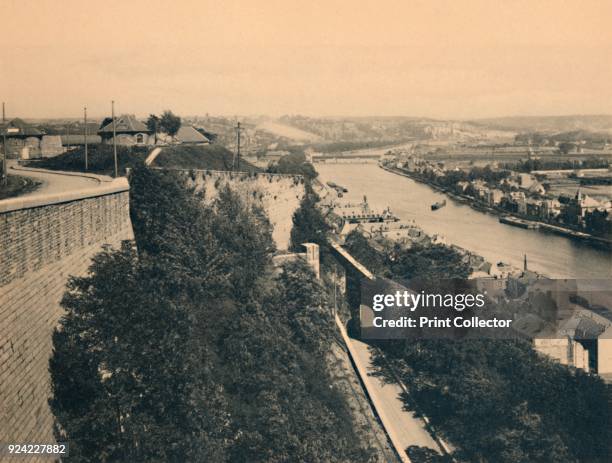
x,y
578,195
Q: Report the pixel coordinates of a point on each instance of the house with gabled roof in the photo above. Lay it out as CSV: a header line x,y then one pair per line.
x,y
128,130
188,134
22,140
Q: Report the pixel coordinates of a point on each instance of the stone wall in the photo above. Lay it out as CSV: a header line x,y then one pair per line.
x,y
43,241
280,195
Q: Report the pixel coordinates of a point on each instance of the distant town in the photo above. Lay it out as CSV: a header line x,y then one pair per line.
x,y
250,241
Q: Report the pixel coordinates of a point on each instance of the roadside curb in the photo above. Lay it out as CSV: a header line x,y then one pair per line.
x,y
117,185
401,452
99,178
443,445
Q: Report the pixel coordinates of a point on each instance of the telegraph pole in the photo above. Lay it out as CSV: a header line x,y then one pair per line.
x,y
4,178
238,129
114,138
85,122
335,296
4,156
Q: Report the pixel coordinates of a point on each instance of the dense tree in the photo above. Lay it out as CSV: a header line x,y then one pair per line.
x,y
185,346
294,163
565,147
275,355
360,248
598,223
304,307
153,124
501,401
435,263
494,400
309,225
246,237
170,123
124,387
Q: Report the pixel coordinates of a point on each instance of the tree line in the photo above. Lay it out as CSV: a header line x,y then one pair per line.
x,y
187,345
494,400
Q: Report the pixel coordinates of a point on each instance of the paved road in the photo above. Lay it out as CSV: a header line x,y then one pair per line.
x,y
53,183
403,427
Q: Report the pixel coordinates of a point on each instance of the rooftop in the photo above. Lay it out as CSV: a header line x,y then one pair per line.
x,y
127,123
188,134
18,128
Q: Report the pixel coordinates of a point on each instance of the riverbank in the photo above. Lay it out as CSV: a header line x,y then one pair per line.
x,y
510,219
547,253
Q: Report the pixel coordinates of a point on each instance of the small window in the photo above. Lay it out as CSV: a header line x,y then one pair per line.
x,y
139,138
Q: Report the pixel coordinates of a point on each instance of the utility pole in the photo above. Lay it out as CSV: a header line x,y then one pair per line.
x,y
238,130
335,295
85,122
114,138
4,178
4,156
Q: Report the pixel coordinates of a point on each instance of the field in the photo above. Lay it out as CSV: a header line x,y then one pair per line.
x,y
291,133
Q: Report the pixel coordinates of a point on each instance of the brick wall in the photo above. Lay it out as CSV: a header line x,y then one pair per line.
x,y
40,247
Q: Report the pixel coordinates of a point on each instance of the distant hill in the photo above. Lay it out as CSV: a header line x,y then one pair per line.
x,y
360,129
204,157
595,123
290,132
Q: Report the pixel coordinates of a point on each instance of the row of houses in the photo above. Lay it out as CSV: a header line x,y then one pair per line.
x,y
519,193
26,141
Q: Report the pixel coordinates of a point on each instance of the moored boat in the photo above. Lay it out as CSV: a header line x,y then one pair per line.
x,y
515,221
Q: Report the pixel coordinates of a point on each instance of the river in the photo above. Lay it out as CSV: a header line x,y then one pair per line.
x,y
552,255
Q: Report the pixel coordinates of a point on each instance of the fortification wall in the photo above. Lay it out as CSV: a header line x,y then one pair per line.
x,y
279,195
43,241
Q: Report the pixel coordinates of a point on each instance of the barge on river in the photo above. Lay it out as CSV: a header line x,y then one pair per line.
x,y
516,222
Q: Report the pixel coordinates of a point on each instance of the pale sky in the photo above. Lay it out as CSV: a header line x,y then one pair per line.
x,y
444,59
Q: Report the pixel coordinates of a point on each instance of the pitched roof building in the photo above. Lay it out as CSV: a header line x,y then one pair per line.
x,y
22,140
129,131
188,134
17,128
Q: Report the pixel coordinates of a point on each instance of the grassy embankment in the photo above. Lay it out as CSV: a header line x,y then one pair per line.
x,y
100,159
209,157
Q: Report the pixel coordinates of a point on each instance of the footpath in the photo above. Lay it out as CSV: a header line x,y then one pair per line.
x,y
403,427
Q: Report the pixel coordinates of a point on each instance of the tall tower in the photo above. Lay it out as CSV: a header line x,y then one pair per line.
x,y
524,262
578,195
237,155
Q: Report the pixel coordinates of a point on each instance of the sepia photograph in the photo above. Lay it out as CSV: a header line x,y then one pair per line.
x,y
278,231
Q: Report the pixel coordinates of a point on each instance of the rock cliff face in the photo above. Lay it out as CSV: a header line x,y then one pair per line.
x,y
279,195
